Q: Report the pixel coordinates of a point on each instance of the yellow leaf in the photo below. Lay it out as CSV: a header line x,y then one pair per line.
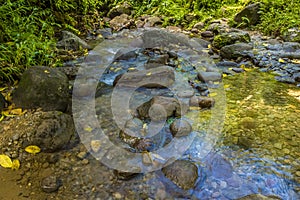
x,y
32,149
148,74
281,60
226,86
47,71
118,69
2,89
213,94
1,118
88,129
17,111
5,161
131,68
15,164
224,75
295,61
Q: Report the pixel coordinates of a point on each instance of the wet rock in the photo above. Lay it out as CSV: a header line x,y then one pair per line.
x,y
70,41
127,56
124,8
153,21
238,70
296,77
292,35
218,26
259,197
285,79
2,102
202,42
70,72
209,76
152,78
220,167
180,127
105,32
183,173
227,64
134,127
202,102
199,25
251,13
161,59
50,184
43,87
160,107
121,22
235,50
174,29
103,88
230,38
124,175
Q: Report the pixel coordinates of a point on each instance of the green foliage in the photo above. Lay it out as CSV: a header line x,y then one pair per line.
x,y
278,16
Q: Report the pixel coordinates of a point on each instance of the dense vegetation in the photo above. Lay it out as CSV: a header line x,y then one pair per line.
x,y
29,29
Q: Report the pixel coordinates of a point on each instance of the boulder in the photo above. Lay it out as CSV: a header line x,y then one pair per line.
x,y
180,127
230,38
160,107
251,13
121,22
183,173
70,41
51,131
235,50
209,76
42,87
153,21
158,77
124,8
199,25
202,102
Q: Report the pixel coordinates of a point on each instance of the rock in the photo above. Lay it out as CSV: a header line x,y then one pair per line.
x,y
50,184
134,127
230,38
161,59
202,42
207,34
174,29
43,87
238,70
285,79
220,168
160,107
51,131
127,56
251,13
153,21
2,102
95,145
296,77
124,8
183,173
121,22
199,25
202,102
70,72
158,77
180,127
125,175
227,64
259,197
235,50
70,41
292,35
209,76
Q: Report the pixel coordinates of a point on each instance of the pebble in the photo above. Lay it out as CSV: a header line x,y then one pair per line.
x,y
50,184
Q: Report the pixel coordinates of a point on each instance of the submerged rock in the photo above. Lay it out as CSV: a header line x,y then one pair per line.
x,y
42,87
180,127
183,173
160,107
50,184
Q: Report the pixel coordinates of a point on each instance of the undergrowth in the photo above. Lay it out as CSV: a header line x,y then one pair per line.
x,y
29,29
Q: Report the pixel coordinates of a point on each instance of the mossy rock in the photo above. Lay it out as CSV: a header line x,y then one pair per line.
x,y
230,38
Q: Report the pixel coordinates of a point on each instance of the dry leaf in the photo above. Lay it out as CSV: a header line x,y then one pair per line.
x,y
5,161
15,164
32,149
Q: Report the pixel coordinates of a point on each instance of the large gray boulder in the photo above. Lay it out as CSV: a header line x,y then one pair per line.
x,y
249,13
42,87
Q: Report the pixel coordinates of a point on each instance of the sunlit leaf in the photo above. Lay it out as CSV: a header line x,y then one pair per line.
x,y
281,60
224,75
15,164
32,149
213,94
17,111
5,161
148,74
88,129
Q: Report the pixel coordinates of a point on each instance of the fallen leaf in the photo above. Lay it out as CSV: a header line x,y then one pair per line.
x,y
17,111
5,161
15,164
281,60
32,149
88,129
148,74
